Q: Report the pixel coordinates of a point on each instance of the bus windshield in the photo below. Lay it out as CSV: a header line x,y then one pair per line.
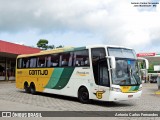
x,y
127,70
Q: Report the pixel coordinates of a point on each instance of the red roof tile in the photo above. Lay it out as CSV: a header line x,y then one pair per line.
x,y
17,49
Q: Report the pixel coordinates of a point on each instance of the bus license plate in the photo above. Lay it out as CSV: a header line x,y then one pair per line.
x,y
130,96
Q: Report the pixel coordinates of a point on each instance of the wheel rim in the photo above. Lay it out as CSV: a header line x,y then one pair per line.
x,y
25,88
32,90
84,95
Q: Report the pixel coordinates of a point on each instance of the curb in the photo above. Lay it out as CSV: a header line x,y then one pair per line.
x,y
12,81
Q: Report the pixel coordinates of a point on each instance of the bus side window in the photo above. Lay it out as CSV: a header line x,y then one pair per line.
x,y
19,63
86,62
81,58
53,60
65,59
25,63
41,61
64,62
71,59
33,62
49,63
77,63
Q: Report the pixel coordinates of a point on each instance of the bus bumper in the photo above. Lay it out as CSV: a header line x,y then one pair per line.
x,y
118,96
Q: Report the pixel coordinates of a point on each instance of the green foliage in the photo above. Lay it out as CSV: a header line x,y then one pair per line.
x,y
51,46
60,46
43,45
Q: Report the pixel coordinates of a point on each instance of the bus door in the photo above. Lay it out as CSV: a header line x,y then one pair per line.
x,y
100,73
103,79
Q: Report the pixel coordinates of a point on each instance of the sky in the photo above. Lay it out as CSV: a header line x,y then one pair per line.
x,y
81,22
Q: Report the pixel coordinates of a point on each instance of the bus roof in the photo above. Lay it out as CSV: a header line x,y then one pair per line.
x,y
57,50
101,45
65,49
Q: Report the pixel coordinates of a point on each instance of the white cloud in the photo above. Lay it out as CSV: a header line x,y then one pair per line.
x,y
110,21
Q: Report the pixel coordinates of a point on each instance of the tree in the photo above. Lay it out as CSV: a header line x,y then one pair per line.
x,y
42,44
51,46
60,46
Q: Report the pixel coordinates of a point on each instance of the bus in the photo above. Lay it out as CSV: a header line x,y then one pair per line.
x,y
95,72
144,72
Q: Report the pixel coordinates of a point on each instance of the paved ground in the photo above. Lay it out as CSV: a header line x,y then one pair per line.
x,y
12,99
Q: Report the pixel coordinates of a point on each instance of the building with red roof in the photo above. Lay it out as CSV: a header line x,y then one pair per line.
x,y
8,53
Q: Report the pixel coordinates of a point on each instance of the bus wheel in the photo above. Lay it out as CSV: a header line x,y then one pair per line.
x,y
26,88
32,88
83,95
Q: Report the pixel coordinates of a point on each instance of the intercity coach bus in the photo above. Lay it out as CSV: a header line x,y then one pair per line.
x,y
98,72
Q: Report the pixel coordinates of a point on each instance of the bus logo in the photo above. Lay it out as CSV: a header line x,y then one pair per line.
x,y
99,94
82,73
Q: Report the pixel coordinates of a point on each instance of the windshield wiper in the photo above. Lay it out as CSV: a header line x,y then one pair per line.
x,y
137,79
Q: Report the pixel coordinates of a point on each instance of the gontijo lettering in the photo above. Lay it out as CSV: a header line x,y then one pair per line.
x,y
38,72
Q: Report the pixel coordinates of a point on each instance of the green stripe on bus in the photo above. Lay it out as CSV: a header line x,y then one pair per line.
x,y
74,49
80,48
66,75
57,72
134,88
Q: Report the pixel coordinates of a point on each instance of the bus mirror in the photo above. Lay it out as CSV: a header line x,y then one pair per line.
x,y
145,62
112,61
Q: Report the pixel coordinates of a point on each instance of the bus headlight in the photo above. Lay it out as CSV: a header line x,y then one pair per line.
x,y
140,88
115,89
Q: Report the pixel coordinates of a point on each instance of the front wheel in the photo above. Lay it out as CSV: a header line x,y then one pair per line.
x,y
83,95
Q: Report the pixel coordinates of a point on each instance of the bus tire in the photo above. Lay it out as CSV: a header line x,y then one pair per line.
x,y
83,95
26,87
32,89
